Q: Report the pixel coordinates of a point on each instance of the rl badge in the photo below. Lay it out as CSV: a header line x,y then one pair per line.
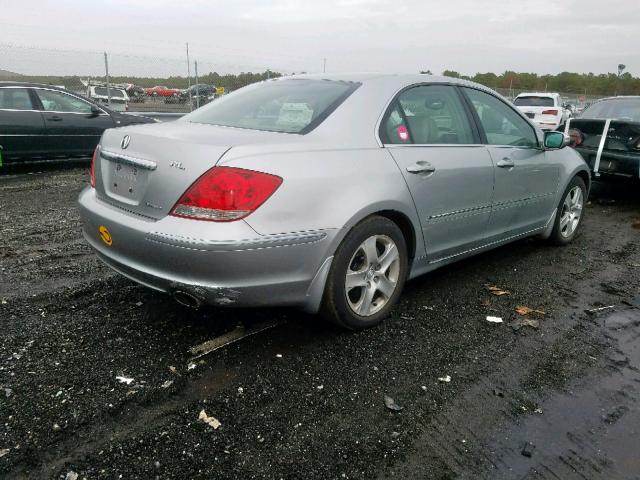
x,y
105,235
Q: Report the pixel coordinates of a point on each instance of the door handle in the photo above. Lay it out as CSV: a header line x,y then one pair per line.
x,y
421,167
55,118
505,163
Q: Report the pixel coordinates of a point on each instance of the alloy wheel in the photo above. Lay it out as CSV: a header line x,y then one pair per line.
x,y
571,212
372,275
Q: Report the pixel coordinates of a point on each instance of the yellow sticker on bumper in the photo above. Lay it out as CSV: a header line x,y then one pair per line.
x,y
105,235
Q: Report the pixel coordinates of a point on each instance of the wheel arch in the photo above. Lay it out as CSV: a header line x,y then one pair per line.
x,y
409,225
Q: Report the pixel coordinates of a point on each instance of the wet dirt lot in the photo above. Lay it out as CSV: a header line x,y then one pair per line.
x,y
303,399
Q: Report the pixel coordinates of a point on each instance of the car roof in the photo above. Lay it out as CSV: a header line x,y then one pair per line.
x,y
31,85
390,80
620,97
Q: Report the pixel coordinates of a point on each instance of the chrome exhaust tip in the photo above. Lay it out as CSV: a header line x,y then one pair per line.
x,y
187,299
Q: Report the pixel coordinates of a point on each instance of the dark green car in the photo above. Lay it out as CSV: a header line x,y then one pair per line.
x,y
43,122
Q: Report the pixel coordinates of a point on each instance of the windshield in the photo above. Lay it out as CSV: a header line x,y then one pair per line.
x,y
534,102
289,106
619,108
113,92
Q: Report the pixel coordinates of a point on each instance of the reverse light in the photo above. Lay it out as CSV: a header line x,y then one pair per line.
x,y
93,167
550,112
576,137
225,194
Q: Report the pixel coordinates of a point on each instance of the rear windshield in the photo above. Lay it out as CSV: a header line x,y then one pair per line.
x,y
289,106
619,109
113,92
534,102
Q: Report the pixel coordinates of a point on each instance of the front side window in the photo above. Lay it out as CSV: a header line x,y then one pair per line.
x,y
427,115
501,124
288,106
15,99
53,101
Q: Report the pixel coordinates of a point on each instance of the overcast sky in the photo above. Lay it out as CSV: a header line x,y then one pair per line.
x,y
149,36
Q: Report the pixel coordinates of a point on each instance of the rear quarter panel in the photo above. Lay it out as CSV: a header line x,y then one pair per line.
x,y
326,189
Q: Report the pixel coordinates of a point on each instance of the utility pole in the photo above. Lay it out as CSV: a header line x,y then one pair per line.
x,y
189,79
106,71
324,65
197,87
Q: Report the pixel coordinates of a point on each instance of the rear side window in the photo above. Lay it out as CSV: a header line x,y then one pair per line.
x,y
289,106
501,124
15,99
427,115
534,102
53,101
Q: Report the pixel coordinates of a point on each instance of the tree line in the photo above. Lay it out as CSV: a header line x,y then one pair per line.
x,y
577,83
566,82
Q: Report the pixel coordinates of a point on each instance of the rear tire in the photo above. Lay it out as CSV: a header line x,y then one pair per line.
x,y
570,213
367,275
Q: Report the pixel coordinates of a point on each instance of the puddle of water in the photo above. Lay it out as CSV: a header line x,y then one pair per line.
x,y
590,433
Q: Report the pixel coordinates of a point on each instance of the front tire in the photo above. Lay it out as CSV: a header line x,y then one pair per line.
x,y
367,275
570,212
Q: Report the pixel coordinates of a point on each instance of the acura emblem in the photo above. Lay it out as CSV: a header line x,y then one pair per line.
x,y
125,142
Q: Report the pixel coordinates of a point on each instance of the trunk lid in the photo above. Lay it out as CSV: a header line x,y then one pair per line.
x,y
622,136
145,169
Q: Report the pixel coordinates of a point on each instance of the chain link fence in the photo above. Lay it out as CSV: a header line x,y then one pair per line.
x,y
575,99
145,83
136,83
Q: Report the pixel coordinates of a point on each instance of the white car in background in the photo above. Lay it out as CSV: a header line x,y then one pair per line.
x,y
546,110
100,94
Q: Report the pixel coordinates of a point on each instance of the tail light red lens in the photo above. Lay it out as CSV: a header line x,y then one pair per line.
x,y
576,137
225,194
93,167
550,112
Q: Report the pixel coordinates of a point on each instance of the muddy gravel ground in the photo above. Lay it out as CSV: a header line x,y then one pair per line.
x,y
552,395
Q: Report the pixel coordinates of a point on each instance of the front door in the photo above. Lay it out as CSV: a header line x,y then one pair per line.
x,y
22,131
449,173
526,181
72,127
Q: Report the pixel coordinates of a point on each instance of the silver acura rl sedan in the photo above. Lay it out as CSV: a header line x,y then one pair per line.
x,y
326,192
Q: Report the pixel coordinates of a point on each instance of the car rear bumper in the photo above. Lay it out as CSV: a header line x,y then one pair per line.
x,y
225,264
546,125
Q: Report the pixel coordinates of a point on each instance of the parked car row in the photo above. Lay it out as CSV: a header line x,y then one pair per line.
x,y
43,122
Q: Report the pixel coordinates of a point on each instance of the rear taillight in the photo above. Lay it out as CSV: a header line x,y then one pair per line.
x,y
550,112
225,194
576,137
93,167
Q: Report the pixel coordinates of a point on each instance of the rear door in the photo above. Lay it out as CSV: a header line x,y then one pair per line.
x,y
429,133
526,179
22,132
72,128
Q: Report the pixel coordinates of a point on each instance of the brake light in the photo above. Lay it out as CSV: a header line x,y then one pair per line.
x,y
576,137
225,194
550,112
93,167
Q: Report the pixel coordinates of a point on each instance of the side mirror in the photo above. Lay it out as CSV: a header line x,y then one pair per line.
x,y
556,140
95,110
